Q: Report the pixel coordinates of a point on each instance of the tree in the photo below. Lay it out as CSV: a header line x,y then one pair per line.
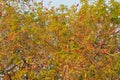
x,y
59,43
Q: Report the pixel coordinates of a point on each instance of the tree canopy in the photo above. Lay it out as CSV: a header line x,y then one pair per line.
x,y
77,43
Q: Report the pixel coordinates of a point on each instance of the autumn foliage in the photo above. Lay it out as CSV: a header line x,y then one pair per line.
x,y
76,43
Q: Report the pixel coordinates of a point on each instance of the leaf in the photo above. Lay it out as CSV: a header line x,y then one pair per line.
x,y
10,36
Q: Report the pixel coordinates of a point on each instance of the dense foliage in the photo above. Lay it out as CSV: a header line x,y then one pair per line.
x,y
77,43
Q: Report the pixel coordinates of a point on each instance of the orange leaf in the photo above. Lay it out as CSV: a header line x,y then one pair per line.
x,y
0,13
110,60
10,36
